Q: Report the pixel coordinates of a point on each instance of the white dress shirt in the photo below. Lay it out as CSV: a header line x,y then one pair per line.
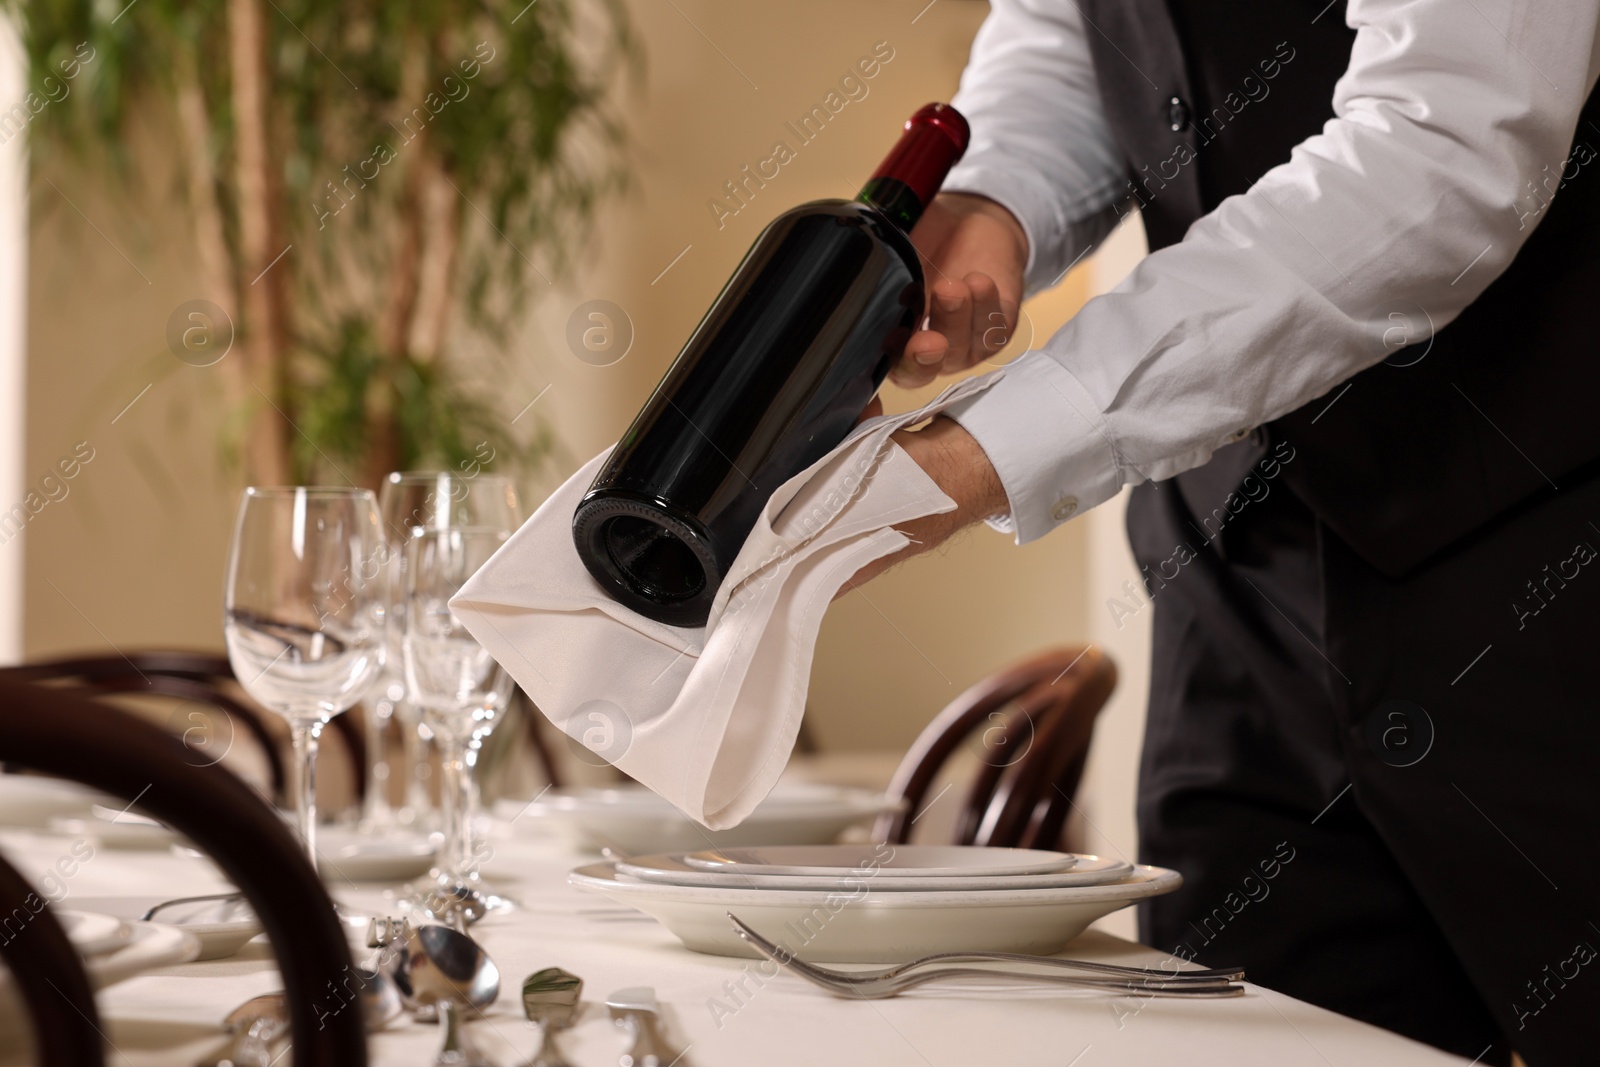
x,y
1417,194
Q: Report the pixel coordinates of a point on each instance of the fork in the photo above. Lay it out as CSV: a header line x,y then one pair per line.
x,y
874,985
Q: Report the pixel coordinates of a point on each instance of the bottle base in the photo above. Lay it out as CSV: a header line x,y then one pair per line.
x,y
648,560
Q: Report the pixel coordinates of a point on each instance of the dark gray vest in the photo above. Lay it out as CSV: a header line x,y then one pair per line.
x,y
1449,434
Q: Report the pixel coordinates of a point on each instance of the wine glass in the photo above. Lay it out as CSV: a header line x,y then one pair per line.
x,y
460,688
303,613
430,500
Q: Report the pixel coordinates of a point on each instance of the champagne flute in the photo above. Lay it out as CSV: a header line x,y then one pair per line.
x,y
462,691
303,613
429,500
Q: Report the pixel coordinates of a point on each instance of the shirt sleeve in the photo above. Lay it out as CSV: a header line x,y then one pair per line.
x,y
1415,195
1040,143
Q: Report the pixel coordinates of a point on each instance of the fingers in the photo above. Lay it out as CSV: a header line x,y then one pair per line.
x,y
950,314
942,347
920,364
967,324
990,325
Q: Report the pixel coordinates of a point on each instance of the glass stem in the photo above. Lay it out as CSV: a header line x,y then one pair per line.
x,y
306,733
472,797
416,763
454,802
377,812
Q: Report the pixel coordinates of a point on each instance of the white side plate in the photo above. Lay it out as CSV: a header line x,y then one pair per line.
x,y
220,928
674,869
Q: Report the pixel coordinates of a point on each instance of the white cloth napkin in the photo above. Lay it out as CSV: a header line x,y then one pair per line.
x,y
705,717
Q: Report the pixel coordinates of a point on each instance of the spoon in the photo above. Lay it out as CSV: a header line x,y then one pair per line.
x,y
445,968
258,1023
550,998
253,1026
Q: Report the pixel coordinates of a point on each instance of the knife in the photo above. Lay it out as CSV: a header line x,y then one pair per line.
x,y
635,1010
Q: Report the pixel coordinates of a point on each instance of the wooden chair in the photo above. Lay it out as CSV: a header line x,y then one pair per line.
x,y
1036,719
59,732
200,678
48,976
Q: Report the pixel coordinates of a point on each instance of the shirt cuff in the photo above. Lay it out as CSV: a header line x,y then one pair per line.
x,y
1049,443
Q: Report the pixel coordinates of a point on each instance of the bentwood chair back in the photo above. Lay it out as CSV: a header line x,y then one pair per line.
x,y
48,977
1031,724
62,733
198,678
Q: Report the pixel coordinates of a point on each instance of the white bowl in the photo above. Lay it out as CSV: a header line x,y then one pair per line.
x,y
348,854
877,927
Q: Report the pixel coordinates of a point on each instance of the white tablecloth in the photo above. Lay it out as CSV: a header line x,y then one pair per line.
x,y
170,1017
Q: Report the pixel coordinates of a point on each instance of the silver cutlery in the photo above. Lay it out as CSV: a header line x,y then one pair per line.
x,y
550,999
380,998
1231,974
635,1010
149,916
253,1026
875,985
445,968
261,1022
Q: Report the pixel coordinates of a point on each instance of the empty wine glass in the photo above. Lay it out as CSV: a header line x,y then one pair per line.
x,y
430,500
460,688
303,613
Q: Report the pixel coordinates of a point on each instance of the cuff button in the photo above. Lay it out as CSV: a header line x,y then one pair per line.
x,y
1177,114
1065,508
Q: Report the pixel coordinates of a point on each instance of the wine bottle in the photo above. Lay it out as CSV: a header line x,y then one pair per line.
x,y
773,378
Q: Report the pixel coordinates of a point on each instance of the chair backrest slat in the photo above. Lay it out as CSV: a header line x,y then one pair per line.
x,y
59,732
1036,718
203,678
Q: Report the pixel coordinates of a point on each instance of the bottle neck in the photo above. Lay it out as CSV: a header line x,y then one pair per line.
x,y
905,182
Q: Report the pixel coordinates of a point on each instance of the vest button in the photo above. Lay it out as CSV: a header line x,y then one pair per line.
x,y
1178,114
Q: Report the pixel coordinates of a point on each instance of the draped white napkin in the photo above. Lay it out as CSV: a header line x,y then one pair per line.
x,y
705,717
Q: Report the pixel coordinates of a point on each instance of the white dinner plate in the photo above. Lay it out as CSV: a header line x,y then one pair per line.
x,y
149,945
636,821
92,933
31,800
220,928
671,869
877,927
345,854
152,945
882,861
119,829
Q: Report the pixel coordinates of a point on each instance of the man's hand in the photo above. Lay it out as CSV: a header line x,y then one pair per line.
x,y
954,460
975,254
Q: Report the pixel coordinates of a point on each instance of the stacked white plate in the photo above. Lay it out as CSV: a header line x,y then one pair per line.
x,y
113,951
876,903
634,819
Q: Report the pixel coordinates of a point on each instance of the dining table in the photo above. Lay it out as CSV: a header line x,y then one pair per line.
x,y
715,1010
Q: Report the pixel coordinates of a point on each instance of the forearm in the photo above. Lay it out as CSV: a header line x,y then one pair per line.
x,y
1041,146
956,462
1404,203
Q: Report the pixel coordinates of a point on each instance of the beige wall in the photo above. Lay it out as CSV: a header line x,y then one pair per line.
x,y
134,555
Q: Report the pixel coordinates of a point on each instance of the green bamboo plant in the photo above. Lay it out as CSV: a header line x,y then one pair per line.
x,y
368,182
